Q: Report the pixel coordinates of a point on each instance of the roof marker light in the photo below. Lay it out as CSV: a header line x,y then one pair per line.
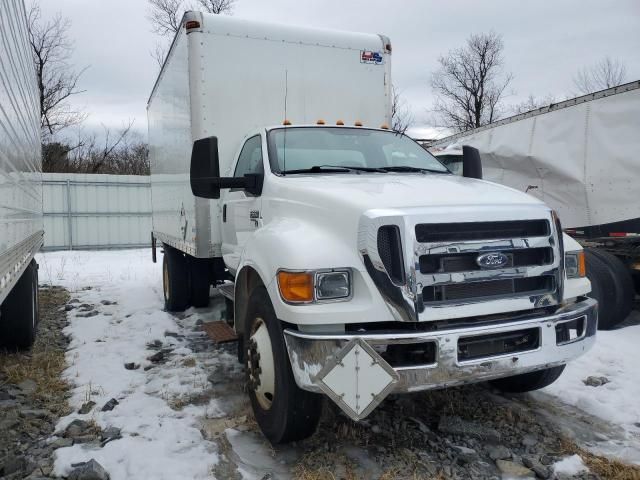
x,y
286,122
320,122
384,126
339,122
191,24
358,123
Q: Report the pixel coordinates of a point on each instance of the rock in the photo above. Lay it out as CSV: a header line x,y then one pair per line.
x,y
108,302
465,454
538,468
74,300
529,440
90,470
131,366
514,470
28,386
110,434
498,452
593,381
68,307
170,334
84,439
376,429
92,313
110,405
85,306
34,413
6,396
12,464
156,357
86,407
61,442
458,426
199,322
76,428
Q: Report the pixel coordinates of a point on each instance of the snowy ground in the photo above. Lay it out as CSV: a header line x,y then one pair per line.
x,y
172,412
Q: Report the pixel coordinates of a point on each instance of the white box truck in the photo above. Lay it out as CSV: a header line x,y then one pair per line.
x,y
580,157
21,231
357,264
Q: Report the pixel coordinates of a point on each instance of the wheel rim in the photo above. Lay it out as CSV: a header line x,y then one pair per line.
x,y
260,364
165,281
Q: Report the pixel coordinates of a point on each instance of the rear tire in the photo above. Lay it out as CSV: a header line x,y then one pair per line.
x,y
624,288
19,314
287,413
175,280
528,382
602,289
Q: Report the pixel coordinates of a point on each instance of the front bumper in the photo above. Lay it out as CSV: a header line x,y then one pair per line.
x,y
310,354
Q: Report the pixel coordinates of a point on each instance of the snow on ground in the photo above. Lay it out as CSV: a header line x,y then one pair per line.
x,y
162,436
158,442
572,465
616,356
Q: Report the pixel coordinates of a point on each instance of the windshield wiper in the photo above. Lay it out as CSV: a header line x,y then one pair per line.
x,y
334,169
406,168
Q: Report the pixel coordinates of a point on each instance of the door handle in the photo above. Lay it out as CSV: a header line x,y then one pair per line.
x,y
224,213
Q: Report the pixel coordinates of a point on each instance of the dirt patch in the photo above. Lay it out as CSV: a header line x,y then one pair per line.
x,y
32,394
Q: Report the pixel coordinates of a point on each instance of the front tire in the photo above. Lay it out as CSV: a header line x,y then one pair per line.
x,y
528,382
19,315
283,411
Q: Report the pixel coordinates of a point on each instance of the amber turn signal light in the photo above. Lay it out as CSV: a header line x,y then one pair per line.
x,y
296,287
582,267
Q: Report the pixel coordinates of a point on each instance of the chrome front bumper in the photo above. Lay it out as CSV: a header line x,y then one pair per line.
x,y
310,353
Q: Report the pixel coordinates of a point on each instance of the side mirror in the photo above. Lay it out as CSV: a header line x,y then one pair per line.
x,y
206,181
471,162
205,168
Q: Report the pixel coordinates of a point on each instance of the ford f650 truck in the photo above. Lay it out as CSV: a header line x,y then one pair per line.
x,y
357,264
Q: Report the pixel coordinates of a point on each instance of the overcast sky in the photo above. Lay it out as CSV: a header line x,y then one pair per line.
x,y
546,42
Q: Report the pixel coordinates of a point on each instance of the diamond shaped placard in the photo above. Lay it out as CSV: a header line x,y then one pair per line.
x,y
357,379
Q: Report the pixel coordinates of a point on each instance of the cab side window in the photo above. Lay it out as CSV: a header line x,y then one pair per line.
x,y
250,159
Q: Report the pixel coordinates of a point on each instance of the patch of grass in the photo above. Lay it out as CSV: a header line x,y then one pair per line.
x,y
604,467
45,362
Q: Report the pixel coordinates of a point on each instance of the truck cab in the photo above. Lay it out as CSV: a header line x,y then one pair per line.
x,y
355,264
363,266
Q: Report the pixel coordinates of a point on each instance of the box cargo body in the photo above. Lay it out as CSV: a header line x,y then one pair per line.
x,y
21,233
20,158
230,76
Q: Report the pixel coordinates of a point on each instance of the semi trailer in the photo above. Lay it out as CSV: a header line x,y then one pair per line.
x,y
356,265
579,156
21,232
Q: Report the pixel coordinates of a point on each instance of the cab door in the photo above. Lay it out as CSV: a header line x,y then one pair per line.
x,y
241,210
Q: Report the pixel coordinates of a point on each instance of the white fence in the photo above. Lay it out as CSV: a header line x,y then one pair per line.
x,y
96,211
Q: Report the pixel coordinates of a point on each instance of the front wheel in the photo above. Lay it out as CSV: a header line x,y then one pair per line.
x,y
283,411
528,382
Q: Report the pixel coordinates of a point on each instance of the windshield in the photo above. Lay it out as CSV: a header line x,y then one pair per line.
x,y
343,149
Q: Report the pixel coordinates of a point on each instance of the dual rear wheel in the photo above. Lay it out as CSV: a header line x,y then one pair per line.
x,y
19,311
185,280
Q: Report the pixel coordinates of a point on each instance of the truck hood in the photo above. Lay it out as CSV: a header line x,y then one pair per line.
x,y
352,193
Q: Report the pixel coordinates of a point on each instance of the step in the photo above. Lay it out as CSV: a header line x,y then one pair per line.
x,y
227,290
220,332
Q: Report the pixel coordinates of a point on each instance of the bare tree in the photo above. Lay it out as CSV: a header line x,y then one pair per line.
x,y
401,118
217,7
533,103
470,84
165,17
608,72
57,81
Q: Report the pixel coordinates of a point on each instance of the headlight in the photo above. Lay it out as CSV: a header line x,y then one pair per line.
x,y
574,264
314,286
333,285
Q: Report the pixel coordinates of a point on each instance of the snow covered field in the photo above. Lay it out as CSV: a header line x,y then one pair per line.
x,y
166,434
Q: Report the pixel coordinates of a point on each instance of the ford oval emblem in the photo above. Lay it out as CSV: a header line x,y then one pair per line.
x,y
492,260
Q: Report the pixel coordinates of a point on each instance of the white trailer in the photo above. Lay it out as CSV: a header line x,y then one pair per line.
x,y
356,264
21,233
579,156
